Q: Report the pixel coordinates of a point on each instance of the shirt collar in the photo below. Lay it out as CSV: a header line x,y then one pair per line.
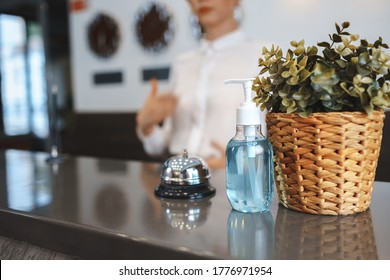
x,y
224,42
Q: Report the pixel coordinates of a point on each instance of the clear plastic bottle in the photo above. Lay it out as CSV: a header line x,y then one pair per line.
x,y
249,170
249,163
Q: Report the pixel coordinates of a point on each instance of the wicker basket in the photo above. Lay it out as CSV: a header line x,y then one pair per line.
x,y
325,164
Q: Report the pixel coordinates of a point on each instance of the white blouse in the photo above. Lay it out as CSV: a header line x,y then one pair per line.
x,y
206,109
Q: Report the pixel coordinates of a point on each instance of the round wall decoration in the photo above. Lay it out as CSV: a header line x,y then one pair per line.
x,y
154,27
103,35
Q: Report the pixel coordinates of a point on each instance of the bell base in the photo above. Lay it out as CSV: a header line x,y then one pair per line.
x,y
184,192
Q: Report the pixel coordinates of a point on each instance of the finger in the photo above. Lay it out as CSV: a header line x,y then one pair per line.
x,y
153,87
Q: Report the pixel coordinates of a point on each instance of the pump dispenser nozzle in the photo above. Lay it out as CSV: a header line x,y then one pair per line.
x,y
247,84
247,113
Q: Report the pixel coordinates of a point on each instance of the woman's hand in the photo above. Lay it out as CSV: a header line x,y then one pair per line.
x,y
155,109
217,162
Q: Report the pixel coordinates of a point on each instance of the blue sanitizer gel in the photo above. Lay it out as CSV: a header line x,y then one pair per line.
x,y
249,170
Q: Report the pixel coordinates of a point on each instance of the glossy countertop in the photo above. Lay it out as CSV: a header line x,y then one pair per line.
x,y
96,208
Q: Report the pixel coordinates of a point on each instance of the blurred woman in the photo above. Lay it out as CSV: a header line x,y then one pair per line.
x,y
199,113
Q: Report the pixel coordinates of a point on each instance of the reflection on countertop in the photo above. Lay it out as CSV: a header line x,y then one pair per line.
x,y
186,215
251,236
113,200
312,237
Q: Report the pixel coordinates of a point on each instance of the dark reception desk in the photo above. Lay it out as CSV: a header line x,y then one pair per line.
x,y
94,208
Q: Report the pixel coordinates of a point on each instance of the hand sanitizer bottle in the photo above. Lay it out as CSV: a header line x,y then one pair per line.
x,y
249,164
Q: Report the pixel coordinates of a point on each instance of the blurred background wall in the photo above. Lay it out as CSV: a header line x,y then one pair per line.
x,y
271,21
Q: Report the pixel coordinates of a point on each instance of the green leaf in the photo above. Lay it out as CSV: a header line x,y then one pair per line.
x,y
354,93
338,28
323,44
326,103
279,80
377,43
336,92
325,96
303,103
336,38
363,70
366,104
306,91
313,99
332,105
283,94
364,58
293,80
286,74
346,102
298,96
330,54
348,57
312,50
361,50
344,86
306,113
337,107
268,87
287,88
364,43
262,71
351,69
303,60
387,76
372,91
381,81
341,63
304,75
291,109
286,102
